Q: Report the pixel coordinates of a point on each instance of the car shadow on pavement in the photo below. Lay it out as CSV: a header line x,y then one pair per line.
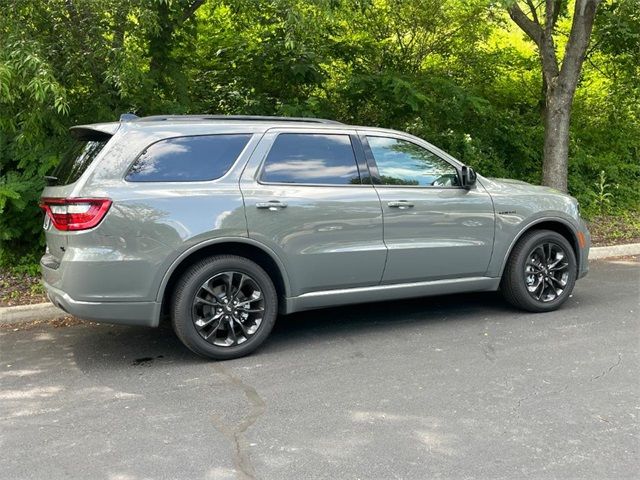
x,y
355,320
145,347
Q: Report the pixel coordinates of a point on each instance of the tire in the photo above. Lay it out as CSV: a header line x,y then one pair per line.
x,y
205,317
531,267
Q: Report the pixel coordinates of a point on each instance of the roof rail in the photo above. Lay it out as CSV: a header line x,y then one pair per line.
x,y
245,118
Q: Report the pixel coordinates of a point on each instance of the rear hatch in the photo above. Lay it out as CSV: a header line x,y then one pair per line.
x,y
62,187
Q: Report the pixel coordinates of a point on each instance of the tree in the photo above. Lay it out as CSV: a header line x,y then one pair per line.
x,y
560,80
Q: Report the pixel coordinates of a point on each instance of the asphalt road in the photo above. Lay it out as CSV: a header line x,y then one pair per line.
x,y
450,387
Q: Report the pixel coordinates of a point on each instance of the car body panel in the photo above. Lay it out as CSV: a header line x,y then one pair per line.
x,y
445,232
148,226
520,206
394,291
330,236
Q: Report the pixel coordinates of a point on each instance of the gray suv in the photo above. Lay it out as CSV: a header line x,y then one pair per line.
x,y
222,222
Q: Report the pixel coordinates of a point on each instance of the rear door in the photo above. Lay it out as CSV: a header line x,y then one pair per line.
x,y
305,199
434,229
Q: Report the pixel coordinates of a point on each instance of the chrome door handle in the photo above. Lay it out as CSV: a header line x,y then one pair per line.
x,y
272,205
400,204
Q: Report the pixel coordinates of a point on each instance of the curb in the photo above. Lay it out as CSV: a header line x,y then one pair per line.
x,y
30,313
597,253
47,311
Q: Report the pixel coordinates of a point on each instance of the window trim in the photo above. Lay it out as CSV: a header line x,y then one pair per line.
x,y
360,162
375,173
182,182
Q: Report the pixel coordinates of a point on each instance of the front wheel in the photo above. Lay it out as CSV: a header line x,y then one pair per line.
x,y
224,307
540,273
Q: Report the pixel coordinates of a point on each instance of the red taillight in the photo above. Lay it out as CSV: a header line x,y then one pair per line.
x,y
72,214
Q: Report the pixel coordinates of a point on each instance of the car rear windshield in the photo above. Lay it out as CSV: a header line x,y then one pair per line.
x,y
188,159
77,159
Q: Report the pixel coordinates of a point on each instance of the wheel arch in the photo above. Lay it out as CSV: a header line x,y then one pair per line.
x,y
243,247
554,224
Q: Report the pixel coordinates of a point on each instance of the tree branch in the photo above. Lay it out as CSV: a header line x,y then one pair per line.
x,y
549,14
528,26
556,13
542,38
534,12
191,9
575,52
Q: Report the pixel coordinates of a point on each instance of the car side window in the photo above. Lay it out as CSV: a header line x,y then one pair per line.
x,y
309,158
401,162
188,159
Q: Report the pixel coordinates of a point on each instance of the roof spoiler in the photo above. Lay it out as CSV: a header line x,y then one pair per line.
x,y
95,132
128,117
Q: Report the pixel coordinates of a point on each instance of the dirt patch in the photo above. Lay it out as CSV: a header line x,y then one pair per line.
x,y
609,230
20,289
63,322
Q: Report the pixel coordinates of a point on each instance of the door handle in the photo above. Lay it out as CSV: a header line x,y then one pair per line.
x,y
401,204
273,205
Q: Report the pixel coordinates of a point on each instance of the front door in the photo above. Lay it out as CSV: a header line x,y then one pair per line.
x,y
434,229
305,200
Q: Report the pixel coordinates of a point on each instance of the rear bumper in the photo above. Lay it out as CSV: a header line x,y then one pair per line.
x,y
102,285
145,314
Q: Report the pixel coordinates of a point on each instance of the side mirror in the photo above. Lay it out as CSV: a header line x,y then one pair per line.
x,y
468,177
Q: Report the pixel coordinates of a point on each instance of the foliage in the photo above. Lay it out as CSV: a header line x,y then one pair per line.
x,y
602,195
458,73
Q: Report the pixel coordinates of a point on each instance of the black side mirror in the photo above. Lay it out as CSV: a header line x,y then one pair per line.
x,y
468,177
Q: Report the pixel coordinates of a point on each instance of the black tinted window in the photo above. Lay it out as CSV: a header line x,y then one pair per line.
x,y
404,163
312,159
188,159
76,160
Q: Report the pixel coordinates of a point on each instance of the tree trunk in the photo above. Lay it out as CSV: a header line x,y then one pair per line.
x,y
559,80
557,116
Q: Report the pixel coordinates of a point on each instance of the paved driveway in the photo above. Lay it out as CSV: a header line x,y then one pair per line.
x,y
454,387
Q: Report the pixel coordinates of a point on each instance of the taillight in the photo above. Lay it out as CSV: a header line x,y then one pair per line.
x,y
72,214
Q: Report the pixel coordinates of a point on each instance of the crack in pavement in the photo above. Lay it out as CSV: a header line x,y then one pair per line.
x,y
604,372
537,392
526,397
235,432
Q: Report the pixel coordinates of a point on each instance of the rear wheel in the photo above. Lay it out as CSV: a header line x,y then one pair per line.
x,y
224,307
540,273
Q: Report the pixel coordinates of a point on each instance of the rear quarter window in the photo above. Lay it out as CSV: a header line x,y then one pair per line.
x,y
188,159
77,159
